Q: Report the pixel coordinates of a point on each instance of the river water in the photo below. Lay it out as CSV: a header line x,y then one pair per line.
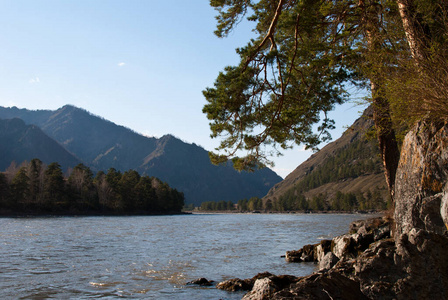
x,y
152,257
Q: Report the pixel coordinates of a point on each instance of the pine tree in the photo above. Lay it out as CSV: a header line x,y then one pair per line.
x,y
54,188
303,57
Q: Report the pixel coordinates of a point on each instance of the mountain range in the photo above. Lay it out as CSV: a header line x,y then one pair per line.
x,y
71,135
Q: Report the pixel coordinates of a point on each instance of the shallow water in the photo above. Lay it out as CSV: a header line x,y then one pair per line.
x,y
152,257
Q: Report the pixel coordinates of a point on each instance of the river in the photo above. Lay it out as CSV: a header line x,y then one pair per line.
x,y
152,257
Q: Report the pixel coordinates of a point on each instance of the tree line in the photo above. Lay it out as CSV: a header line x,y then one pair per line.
x,y
35,188
371,200
242,205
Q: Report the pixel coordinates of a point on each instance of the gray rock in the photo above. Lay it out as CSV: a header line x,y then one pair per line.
x,y
328,261
263,288
237,284
321,249
342,246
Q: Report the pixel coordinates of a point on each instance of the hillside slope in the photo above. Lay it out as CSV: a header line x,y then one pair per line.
x,y
20,142
350,164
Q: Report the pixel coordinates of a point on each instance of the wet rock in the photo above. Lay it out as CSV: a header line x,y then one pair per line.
x,y
237,284
294,256
202,281
233,285
305,254
309,253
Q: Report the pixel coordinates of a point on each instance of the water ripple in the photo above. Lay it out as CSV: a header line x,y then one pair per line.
x,y
150,257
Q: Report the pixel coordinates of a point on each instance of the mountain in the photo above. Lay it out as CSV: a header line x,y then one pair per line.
x,y
20,142
188,168
350,164
101,145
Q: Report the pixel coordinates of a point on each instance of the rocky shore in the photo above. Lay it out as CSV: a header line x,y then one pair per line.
x,y
404,256
336,260
365,263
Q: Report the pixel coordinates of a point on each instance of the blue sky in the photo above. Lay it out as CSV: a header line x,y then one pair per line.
x,y
139,63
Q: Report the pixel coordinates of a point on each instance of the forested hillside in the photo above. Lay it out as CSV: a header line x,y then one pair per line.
x,y
344,175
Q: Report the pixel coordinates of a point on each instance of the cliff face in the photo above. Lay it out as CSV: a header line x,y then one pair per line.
x,y
422,179
420,212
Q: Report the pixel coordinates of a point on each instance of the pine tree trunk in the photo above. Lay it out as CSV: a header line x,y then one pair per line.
x,y
388,145
412,29
381,111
